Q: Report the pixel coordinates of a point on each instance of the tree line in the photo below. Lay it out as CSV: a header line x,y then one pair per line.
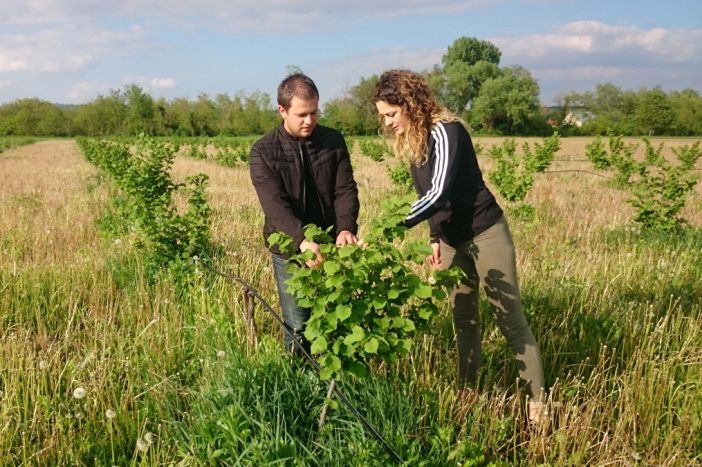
x,y
492,99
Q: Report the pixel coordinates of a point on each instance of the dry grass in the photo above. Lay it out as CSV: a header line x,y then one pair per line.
x,y
587,284
45,216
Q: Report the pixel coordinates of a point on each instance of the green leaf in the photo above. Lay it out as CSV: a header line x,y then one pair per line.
x,y
319,345
423,291
331,361
425,312
383,323
346,251
397,323
331,267
357,369
379,303
409,326
371,345
326,373
357,335
334,281
343,312
393,293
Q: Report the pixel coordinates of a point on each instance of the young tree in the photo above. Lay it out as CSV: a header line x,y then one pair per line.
x,y
32,117
654,113
687,105
467,64
106,115
140,110
506,103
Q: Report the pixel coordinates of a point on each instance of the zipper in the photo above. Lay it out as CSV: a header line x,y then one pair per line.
x,y
314,183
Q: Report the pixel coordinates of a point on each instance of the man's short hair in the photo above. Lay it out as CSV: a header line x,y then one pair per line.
x,y
296,85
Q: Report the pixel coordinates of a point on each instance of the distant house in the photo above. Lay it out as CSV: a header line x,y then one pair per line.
x,y
575,116
571,120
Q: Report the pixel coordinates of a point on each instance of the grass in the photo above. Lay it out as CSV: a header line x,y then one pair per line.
x,y
618,314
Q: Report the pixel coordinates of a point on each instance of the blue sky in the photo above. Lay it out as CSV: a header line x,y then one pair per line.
x,y
69,51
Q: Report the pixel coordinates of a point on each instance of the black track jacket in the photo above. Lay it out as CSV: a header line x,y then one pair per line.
x,y
277,172
453,195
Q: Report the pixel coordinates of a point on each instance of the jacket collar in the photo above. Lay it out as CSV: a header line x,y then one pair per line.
x,y
283,133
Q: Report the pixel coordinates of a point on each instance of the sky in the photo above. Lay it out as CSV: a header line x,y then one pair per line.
x,y
71,51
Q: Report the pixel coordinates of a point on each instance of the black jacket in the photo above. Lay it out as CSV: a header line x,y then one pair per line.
x,y
453,195
277,175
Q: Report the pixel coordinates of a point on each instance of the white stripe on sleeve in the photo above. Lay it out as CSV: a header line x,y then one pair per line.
x,y
439,173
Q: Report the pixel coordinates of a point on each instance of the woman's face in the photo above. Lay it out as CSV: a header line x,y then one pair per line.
x,y
393,117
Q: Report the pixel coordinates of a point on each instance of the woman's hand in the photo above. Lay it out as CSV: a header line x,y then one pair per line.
x,y
435,258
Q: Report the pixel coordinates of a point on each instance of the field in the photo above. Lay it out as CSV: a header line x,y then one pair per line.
x,y
98,366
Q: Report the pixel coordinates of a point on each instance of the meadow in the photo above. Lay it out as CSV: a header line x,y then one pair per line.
x,y
101,366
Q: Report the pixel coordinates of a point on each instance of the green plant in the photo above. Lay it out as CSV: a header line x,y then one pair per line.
x,y
620,156
401,177
376,150
597,154
514,173
145,208
659,189
365,301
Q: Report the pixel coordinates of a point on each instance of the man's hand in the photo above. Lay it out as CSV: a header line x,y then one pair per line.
x,y
345,238
435,257
314,248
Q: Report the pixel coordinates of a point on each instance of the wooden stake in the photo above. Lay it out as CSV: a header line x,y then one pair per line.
x,y
330,392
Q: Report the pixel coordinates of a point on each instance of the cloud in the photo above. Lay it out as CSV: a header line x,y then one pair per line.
x,y
581,54
162,83
354,67
150,84
82,92
593,39
66,48
249,15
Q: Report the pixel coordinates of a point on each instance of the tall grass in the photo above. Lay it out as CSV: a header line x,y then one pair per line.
x,y
169,376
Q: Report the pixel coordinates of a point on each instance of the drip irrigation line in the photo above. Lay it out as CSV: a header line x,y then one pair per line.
x,y
339,392
578,171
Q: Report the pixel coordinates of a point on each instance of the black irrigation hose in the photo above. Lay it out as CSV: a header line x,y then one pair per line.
x,y
342,396
578,171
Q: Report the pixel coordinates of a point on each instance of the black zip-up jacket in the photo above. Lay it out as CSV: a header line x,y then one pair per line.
x,y
453,195
276,168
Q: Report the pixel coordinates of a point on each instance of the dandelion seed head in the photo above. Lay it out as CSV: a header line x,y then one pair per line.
x,y
79,393
110,414
43,365
221,354
142,445
149,437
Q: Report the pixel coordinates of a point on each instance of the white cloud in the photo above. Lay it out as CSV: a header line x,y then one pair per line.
x,y
162,83
581,54
149,84
250,15
62,49
353,68
592,38
82,92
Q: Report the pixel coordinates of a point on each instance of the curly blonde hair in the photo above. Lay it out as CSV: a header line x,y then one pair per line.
x,y
410,91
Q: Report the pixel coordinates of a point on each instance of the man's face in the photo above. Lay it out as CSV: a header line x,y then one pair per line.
x,y
300,119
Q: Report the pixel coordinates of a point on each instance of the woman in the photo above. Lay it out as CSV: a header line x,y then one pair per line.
x,y
467,226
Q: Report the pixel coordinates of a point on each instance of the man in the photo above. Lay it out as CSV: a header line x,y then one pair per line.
x,y
302,175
